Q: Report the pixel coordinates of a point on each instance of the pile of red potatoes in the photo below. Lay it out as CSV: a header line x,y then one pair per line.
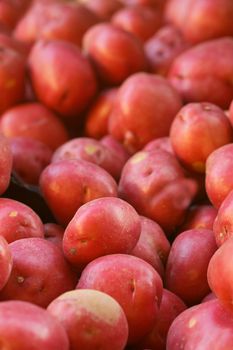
x,y
116,175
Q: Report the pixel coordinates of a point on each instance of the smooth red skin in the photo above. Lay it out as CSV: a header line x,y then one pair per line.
x,y
197,130
116,147
145,107
54,233
70,95
154,183
153,245
171,306
210,82
186,269
12,77
6,262
199,216
115,53
135,285
36,121
221,265
93,151
80,314
209,297
29,327
163,47
223,224
30,157
12,43
201,20
55,21
11,11
68,184
40,272
19,221
100,227
204,326
141,21
6,162
104,9
219,181
161,143
96,124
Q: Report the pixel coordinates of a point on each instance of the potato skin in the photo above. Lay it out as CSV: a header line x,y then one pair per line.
x,y
6,262
6,163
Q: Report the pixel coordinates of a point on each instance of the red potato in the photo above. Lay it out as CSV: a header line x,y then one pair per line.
x,y
219,180
201,20
163,47
6,162
197,130
11,11
12,77
30,157
221,265
12,43
100,227
230,113
54,233
117,148
199,216
92,320
141,21
68,184
153,3
155,184
19,221
133,283
96,124
93,151
153,245
209,82
209,297
55,21
104,9
161,143
171,306
36,121
40,272
115,54
186,270
29,327
72,93
6,262
145,107
223,224
204,326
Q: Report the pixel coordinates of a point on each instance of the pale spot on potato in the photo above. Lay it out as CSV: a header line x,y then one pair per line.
x,y
13,213
138,157
90,149
20,279
10,83
192,322
199,167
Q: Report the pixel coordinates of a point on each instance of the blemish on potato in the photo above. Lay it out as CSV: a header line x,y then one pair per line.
x,y
138,157
73,251
20,279
192,322
90,149
13,213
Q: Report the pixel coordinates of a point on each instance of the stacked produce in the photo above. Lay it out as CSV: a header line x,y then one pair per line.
x,y
116,186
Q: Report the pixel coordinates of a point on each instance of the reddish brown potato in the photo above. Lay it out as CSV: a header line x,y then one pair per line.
x,y
104,9
171,306
92,320
70,95
68,184
40,272
223,224
198,82
6,262
6,162
151,103
100,227
155,184
96,124
152,246
93,151
30,157
161,143
141,21
219,180
19,221
27,326
56,20
12,77
197,130
199,216
115,53
36,121
204,326
186,270
133,283
201,20
163,47
54,233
